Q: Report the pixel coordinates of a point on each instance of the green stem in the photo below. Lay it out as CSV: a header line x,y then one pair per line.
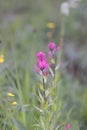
x,y
44,86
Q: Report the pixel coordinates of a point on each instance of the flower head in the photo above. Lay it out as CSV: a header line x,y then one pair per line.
x,y
41,56
14,103
11,95
51,46
43,65
1,58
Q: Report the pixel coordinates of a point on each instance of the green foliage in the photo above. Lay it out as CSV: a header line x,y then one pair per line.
x,y
18,125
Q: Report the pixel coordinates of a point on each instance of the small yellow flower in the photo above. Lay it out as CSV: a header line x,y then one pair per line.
x,y
11,95
14,103
1,58
51,25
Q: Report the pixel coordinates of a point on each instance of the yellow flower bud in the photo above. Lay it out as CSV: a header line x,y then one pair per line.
x,y
11,95
1,58
14,103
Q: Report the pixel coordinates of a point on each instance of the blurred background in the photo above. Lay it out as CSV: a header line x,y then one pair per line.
x,y
27,26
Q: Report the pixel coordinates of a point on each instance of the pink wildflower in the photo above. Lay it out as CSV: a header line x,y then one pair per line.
x,y
67,127
51,46
41,56
43,65
40,60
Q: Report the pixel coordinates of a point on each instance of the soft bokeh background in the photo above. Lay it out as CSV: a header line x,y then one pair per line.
x,y
24,31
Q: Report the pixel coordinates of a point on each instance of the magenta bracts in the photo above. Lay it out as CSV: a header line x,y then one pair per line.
x,y
51,46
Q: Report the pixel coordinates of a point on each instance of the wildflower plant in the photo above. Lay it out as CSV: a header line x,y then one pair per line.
x,y
49,106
